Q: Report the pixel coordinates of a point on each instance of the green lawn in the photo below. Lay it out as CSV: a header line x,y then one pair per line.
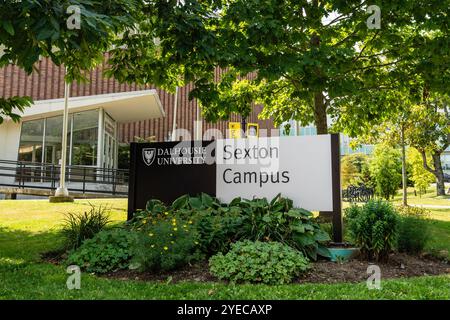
x,y
429,198
28,227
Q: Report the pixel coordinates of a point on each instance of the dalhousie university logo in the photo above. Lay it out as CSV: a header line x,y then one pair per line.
x,y
149,155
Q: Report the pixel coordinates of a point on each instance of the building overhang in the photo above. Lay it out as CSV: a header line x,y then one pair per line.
x,y
122,107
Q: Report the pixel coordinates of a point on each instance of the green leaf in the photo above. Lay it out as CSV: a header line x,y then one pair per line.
x,y
7,25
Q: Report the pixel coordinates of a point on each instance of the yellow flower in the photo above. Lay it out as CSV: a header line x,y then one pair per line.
x,y
144,222
175,229
184,226
150,234
196,242
174,220
172,242
166,213
166,248
190,221
153,245
174,224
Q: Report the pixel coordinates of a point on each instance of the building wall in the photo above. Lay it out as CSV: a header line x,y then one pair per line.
x,y
9,144
48,83
9,140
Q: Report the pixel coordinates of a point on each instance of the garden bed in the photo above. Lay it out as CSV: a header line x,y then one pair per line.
x,y
398,266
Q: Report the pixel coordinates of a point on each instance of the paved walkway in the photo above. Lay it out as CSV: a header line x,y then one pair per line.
x,y
429,206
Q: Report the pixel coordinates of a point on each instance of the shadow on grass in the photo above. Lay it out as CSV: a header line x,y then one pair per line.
x,y
26,246
439,243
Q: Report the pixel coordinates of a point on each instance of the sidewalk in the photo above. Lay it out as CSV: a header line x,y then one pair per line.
x,y
429,206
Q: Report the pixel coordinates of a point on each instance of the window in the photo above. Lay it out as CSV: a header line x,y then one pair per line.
x,y
53,139
84,139
41,140
31,139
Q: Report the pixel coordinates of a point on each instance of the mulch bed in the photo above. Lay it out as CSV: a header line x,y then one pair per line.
x,y
398,266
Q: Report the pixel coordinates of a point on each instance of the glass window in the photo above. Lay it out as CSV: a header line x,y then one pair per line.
x,y
53,139
84,139
30,148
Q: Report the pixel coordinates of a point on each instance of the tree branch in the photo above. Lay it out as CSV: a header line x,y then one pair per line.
x,y
425,162
365,45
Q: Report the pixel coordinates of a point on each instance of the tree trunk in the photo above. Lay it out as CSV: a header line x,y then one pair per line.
x,y
320,113
404,175
439,173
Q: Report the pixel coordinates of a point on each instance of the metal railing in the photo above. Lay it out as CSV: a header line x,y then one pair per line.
x,y
84,179
359,193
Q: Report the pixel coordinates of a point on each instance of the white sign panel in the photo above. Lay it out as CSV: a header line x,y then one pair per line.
x,y
300,168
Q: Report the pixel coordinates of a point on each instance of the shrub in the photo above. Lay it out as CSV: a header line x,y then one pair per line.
x,y
217,233
385,169
279,221
165,243
265,262
78,227
374,228
414,231
108,250
218,224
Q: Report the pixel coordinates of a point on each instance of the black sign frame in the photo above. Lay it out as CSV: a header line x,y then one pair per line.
x,y
202,178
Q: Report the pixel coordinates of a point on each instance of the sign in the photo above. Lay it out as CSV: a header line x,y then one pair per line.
x,y
235,130
299,168
167,170
305,169
252,130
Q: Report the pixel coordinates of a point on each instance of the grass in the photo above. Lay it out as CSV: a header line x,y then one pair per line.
x,y
439,244
429,198
29,227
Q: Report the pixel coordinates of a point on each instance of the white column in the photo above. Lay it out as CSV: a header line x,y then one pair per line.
x,y
100,137
62,191
175,111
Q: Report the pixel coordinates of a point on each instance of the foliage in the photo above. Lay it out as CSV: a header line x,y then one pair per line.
x,y
165,242
265,262
217,233
78,227
429,133
374,228
414,229
279,221
355,170
303,60
220,224
419,175
12,107
33,29
107,251
385,168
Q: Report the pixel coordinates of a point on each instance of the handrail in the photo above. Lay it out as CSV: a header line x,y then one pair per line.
x,y
25,174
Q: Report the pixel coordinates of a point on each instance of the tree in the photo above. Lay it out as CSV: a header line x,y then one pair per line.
x,y
73,33
419,175
306,59
430,135
355,170
385,169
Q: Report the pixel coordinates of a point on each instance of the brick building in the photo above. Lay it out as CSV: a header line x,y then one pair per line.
x,y
103,114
